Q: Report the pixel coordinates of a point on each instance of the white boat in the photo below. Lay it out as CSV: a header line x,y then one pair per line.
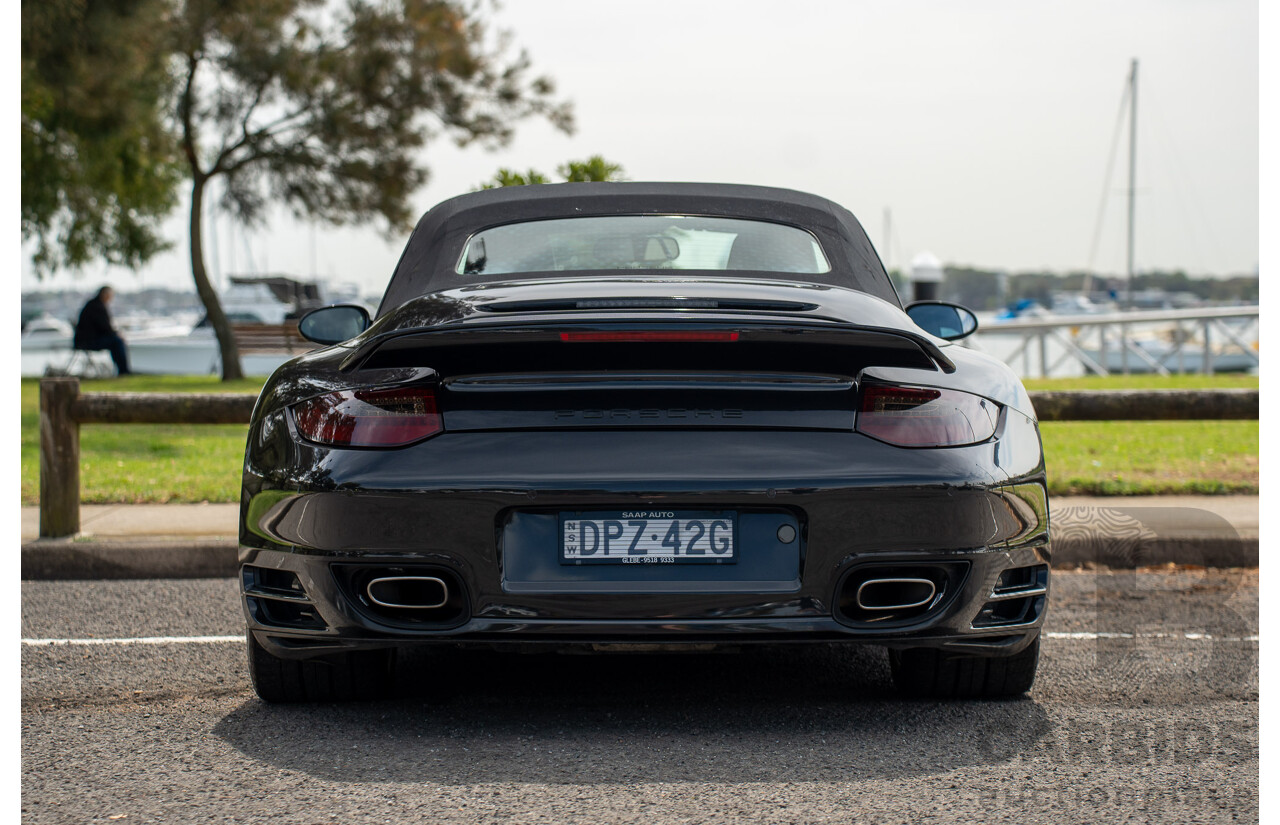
x,y
1078,303
253,303
47,333
195,351
142,326
1062,303
1189,359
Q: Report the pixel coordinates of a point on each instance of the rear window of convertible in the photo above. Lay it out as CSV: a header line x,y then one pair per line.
x,y
642,242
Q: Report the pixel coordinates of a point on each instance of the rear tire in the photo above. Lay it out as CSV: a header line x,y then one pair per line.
x,y
358,674
929,673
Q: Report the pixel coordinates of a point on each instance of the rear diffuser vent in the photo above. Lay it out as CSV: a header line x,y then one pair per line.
x,y
276,598
1017,598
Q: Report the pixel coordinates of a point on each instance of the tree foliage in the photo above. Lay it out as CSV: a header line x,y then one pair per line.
x,y
510,177
99,168
328,108
594,168
325,107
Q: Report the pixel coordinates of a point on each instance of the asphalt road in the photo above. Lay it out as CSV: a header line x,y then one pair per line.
x,y
1146,709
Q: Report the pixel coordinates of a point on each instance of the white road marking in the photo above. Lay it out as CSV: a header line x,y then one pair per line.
x,y
1090,636
1082,636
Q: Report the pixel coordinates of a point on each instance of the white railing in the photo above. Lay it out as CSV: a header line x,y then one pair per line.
x,y
1188,343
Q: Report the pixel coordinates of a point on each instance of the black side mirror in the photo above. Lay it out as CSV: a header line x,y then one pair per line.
x,y
949,321
335,324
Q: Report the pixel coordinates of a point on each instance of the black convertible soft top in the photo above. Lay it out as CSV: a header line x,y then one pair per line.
x,y
430,258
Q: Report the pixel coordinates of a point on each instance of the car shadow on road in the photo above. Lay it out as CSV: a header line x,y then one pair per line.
x,y
800,713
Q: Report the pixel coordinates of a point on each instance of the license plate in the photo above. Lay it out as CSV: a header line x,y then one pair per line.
x,y
649,537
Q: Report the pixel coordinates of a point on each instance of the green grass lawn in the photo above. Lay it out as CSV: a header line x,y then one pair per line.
x,y
1109,458
1223,381
145,462
159,463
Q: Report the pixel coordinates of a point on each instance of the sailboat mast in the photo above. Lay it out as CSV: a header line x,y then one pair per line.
x,y
1133,163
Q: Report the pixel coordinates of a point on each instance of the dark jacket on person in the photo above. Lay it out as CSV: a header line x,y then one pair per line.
x,y
93,326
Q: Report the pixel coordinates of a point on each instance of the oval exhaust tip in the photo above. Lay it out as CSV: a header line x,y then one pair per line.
x,y
408,592
894,594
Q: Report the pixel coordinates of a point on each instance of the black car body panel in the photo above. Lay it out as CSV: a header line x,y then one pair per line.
x,y
759,424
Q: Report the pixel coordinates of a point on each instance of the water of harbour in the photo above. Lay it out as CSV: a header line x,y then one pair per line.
x,y
175,352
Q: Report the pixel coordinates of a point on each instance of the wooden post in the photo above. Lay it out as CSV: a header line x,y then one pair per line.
x,y
163,408
59,458
1145,405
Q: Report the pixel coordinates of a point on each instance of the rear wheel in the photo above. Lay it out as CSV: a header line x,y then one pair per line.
x,y
359,674
925,672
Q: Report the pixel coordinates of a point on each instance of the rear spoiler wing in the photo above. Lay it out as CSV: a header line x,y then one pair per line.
x,y
881,346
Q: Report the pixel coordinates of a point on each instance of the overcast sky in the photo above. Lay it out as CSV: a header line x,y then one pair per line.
x,y
985,128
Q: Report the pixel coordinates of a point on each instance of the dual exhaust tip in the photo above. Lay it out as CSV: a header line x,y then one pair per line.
x,y
893,593
408,592
431,592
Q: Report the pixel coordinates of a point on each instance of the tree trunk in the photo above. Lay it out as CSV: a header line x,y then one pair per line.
x,y
231,369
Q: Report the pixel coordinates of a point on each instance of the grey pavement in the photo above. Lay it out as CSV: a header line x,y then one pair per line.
x,y
1145,710
199,540
146,520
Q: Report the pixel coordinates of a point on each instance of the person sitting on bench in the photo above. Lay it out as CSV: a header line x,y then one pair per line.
x,y
94,330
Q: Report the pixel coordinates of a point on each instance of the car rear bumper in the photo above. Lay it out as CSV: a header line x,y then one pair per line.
x,y
336,618
956,514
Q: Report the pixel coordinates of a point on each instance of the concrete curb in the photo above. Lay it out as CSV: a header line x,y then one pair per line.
x,y
150,557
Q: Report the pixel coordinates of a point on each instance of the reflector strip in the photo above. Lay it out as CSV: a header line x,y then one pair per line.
x,y
646,336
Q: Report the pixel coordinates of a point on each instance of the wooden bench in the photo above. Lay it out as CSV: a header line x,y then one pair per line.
x,y
271,338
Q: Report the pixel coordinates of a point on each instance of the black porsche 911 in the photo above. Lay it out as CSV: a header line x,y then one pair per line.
x,y
621,415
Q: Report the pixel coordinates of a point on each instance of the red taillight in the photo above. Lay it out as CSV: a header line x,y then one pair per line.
x,y
646,335
924,417
369,418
